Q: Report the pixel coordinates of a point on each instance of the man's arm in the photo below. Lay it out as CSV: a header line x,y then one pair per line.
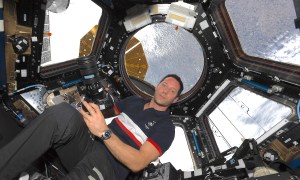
x,y
134,159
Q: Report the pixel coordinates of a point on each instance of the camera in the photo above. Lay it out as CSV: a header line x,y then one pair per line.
x,y
93,82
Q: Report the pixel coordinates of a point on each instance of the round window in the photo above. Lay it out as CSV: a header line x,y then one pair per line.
x,y
160,49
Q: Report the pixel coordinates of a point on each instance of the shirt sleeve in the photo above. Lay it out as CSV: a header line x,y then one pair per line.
x,y
120,105
162,136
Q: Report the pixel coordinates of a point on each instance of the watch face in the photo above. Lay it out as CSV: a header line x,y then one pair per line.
x,y
106,134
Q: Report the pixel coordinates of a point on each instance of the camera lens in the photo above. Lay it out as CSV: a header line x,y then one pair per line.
x,y
91,77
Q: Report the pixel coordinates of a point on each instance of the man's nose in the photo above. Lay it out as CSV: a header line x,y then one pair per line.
x,y
165,90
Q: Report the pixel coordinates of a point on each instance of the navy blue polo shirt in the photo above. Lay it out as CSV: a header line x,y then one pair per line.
x,y
134,126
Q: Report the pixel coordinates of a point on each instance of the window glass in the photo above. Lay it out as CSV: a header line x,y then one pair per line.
x,y
243,115
160,49
179,154
64,31
266,28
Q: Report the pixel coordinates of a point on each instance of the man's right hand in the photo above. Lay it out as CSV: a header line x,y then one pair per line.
x,y
95,120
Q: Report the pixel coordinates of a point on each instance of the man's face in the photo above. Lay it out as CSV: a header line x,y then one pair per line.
x,y
166,92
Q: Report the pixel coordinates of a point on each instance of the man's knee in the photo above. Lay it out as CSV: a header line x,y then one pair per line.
x,y
66,119
62,107
62,114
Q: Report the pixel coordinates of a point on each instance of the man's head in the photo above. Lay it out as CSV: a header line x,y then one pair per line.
x,y
168,90
178,80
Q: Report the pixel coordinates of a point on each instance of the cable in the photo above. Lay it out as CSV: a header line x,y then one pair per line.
x,y
25,88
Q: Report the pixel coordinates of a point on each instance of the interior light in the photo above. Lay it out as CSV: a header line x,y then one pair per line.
x,y
138,16
159,9
182,14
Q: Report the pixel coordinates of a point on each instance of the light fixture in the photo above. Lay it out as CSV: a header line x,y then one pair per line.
x,y
138,16
182,14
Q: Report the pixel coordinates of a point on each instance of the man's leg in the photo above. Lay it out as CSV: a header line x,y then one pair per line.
x,y
56,127
94,166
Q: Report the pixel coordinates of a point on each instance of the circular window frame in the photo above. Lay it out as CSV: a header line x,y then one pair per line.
x,y
135,90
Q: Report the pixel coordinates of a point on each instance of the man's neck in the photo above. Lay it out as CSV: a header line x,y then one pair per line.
x,y
157,107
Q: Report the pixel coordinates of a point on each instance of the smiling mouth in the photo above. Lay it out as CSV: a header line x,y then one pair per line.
x,y
163,97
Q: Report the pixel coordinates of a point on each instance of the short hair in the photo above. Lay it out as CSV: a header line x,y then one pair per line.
x,y
179,81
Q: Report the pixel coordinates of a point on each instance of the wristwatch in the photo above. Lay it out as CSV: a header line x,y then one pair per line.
x,y
106,134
